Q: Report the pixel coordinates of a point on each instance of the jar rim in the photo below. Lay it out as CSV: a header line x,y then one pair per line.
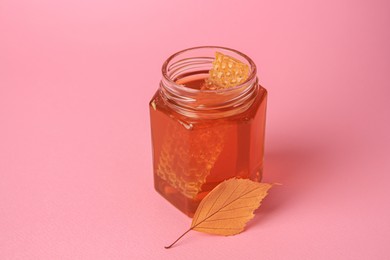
x,y
252,74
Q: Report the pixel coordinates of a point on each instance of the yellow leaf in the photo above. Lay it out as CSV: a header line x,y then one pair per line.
x,y
228,207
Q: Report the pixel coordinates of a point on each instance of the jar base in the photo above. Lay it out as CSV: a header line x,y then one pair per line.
x,y
189,205
184,204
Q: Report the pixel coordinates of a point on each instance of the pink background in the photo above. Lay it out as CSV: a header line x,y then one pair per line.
x,y
75,153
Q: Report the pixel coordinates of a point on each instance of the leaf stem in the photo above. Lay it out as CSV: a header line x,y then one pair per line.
x,y
167,247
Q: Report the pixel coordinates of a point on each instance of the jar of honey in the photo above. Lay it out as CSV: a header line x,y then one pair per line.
x,y
207,124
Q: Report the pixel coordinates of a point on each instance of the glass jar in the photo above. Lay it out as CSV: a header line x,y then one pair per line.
x,y
203,137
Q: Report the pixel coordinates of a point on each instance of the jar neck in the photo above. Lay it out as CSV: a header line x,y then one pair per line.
x,y
205,104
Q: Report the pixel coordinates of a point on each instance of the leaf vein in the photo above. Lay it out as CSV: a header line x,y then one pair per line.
x,y
215,201
218,228
231,194
212,220
226,210
249,197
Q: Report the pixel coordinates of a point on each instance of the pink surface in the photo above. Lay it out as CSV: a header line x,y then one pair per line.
x,y
75,153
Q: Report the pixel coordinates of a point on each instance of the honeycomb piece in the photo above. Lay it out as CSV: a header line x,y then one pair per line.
x,y
188,156
226,72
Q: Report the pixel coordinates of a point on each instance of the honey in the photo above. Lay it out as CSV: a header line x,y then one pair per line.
x,y
201,137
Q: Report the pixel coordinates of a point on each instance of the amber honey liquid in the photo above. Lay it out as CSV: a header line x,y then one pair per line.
x,y
193,155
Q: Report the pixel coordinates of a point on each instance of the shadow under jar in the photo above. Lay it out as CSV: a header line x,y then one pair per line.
x,y
203,137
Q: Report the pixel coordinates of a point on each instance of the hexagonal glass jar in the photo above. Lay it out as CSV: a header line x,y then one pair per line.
x,y
203,137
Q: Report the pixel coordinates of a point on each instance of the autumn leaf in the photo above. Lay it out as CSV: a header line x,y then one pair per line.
x,y
228,207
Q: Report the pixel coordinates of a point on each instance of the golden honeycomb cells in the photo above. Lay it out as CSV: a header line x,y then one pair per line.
x,y
188,155
226,72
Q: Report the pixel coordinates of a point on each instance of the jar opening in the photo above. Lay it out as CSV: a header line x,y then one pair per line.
x,y
195,102
199,60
